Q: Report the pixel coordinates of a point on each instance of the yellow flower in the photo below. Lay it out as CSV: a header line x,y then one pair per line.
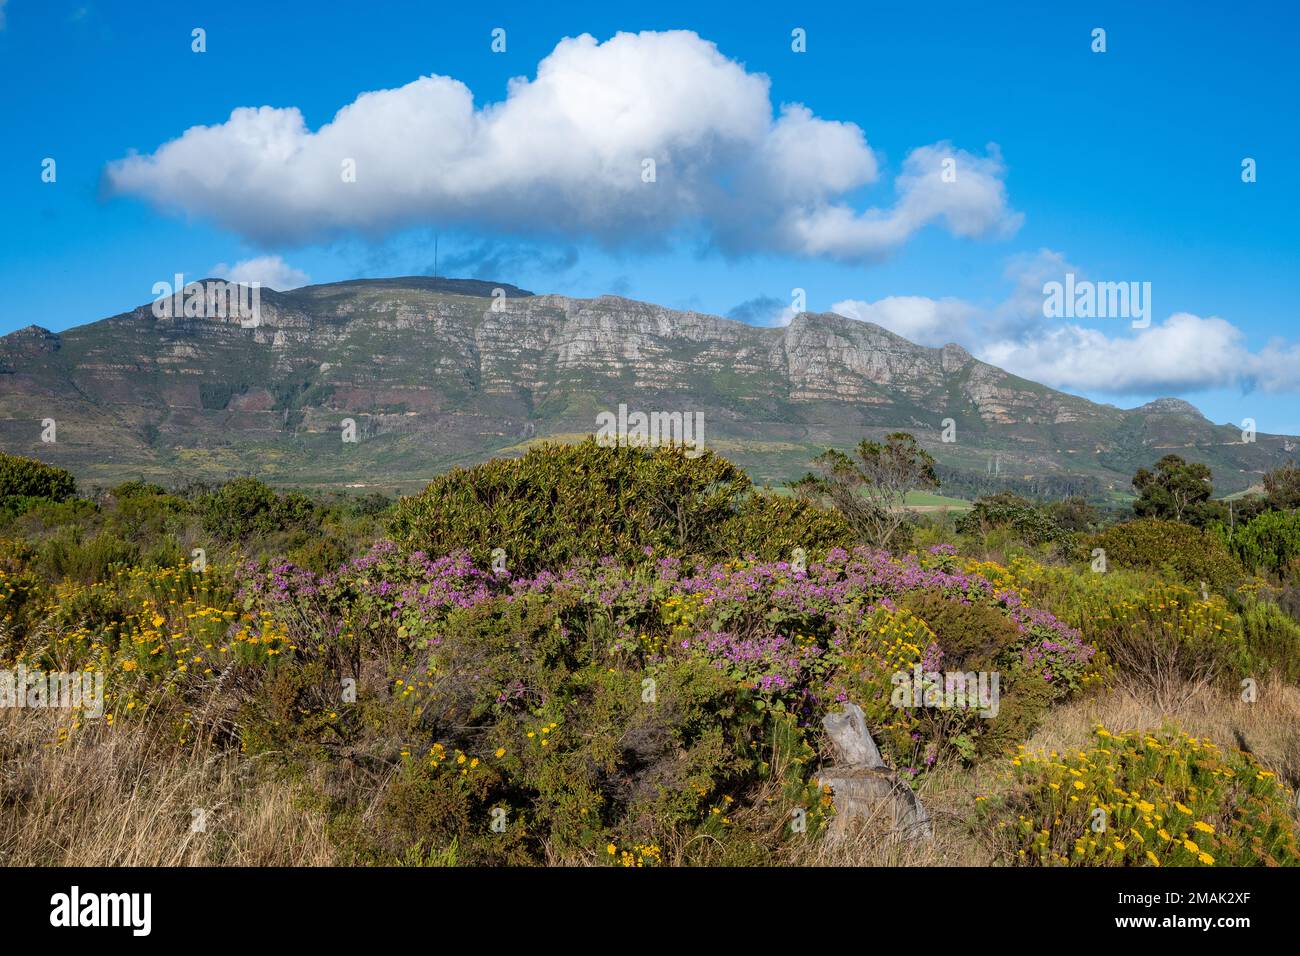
x,y
611,849
1203,827
1206,859
501,752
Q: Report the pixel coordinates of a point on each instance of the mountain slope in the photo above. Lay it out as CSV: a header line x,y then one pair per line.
x,y
436,372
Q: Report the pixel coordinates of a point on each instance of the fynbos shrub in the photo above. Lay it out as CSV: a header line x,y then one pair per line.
x,y
1142,799
1179,550
561,502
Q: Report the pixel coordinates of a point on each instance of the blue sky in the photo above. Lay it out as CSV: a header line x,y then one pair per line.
x,y
1116,166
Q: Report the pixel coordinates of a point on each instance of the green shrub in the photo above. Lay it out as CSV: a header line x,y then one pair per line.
x,y
67,555
1164,637
1178,550
26,483
145,515
1010,511
1074,514
245,507
137,489
239,509
1020,711
1272,640
973,637
1270,544
29,478
370,504
20,595
771,526
518,715
935,529
321,554
38,515
1170,641
561,502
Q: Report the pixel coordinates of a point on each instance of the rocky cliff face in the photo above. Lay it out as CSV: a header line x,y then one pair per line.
x,y
436,372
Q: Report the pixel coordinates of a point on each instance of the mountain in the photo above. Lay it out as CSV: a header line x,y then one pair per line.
x,y
439,372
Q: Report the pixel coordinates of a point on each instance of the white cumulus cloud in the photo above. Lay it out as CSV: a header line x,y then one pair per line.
x,y
973,204
565,154
1183,353
271,271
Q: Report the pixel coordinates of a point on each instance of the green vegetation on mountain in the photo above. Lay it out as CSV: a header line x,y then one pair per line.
x,y
436,373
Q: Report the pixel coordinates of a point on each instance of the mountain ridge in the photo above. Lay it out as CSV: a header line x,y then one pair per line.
x,y
437,372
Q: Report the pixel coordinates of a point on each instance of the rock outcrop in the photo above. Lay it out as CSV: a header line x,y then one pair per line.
x,y
440,372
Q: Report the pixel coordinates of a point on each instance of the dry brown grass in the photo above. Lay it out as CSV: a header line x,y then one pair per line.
x,y
125,797
1269,727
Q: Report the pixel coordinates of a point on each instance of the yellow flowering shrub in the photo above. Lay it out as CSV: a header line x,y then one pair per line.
x,y
1020,573
1169,637
152,632
888,641
1143,799
1174,611
640,854
681,614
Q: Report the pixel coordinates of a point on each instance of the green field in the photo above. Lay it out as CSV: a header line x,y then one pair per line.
x,y
932,502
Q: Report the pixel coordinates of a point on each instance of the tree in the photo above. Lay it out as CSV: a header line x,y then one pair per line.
x,y
1073,514
1177,490
869,487
1282,488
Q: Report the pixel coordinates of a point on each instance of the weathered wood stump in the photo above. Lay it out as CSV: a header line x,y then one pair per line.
x,y
862,787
